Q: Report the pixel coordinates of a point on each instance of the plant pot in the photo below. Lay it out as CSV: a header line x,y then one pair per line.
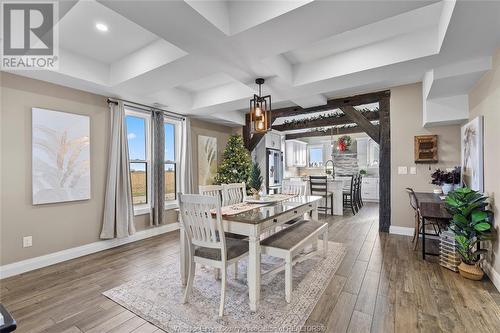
x,y
471,272
447,188
256,196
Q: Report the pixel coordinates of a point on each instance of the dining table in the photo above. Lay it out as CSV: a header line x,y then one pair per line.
x,y
255,223
432,207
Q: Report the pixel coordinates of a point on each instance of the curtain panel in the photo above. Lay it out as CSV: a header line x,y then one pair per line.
x,y
186,174
118,219
158,158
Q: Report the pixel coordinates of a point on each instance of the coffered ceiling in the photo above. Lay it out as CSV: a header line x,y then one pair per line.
x,y
202,57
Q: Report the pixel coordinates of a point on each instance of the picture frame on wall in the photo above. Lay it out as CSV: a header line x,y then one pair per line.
x,y
60,156
472,151
207,159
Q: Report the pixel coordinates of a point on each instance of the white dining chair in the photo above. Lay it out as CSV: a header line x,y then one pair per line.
x,y
207,244
294,187
233,193
211,190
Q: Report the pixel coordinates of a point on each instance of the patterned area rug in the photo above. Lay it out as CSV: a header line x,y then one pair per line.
x,y
157,297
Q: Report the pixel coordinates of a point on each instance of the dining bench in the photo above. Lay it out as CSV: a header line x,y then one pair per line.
x,y
289,244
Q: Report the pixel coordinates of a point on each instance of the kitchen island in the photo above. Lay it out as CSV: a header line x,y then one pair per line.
x,y
335,186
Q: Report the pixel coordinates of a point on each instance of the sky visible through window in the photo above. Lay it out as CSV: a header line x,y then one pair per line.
x,y
136,135
169,142
316,156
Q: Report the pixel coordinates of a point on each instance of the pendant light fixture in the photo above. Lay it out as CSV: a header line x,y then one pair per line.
x,y
260,111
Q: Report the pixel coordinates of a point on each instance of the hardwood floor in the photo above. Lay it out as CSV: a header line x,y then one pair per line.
x,y
382,285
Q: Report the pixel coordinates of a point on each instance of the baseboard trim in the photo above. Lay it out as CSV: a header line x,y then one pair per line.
x,y
492,274
79,251
405,231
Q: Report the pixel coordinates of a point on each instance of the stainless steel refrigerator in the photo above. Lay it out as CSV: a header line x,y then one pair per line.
x,y
274,170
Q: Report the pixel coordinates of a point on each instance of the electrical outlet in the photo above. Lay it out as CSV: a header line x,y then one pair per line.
x,y
28,241
402,170
413,170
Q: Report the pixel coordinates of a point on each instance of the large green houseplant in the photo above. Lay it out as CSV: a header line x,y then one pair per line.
x,y
471,224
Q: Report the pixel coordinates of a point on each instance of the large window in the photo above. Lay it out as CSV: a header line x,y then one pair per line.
x,y
138,137
171,155
139,149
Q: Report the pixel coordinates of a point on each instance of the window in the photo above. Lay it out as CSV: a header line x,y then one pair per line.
x,y
315,156
171,162
138,137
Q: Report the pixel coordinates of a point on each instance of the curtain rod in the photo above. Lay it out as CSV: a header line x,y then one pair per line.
x,y
146,107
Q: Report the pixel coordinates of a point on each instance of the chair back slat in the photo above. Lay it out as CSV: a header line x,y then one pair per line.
x,y
318,185
210,190
294,187
200,226
233,193
413,198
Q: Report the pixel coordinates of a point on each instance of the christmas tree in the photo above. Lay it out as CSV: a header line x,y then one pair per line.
x,y
255,177
236,162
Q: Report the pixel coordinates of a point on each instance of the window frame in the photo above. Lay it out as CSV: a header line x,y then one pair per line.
x,y
169,204
318,146
141,209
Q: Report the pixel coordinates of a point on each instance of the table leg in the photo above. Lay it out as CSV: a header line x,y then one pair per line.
x,y
254,272
183,253
423,238
315,215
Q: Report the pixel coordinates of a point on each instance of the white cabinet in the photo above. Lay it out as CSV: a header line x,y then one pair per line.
x,y
368,152
369,189
295,152
273,140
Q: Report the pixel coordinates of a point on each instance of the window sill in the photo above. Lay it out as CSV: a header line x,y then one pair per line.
x,y
142,210
171,205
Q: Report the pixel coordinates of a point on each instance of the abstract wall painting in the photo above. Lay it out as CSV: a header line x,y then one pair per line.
x,y
207,159
472,154
60,156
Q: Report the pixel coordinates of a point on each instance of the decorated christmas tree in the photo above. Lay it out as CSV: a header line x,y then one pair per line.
x,y
236,162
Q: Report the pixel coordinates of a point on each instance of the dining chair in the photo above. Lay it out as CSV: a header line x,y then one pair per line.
x,y
294,187
359,196
233,193
421,222
207,244
318,185
348,194
211,190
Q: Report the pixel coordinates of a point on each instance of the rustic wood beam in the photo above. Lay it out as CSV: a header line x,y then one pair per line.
x,y
385,165
342,120
254,141
341,131
357,117
331,104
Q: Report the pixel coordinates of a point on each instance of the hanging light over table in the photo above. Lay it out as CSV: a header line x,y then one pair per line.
x,y
260,110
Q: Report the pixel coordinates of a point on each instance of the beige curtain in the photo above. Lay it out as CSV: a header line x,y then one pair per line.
x,y
118,220
158,189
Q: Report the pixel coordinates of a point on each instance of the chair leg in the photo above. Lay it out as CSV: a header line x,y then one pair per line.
x,y
417,232
331,204
217,273
288,278
352,206
325,243
236,270
189,285
223,292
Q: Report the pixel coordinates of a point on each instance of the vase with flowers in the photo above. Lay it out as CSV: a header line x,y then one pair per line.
x,y
447,180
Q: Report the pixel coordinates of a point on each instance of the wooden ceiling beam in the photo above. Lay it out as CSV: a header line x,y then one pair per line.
x,y
332,104
342,120
358,118
341,131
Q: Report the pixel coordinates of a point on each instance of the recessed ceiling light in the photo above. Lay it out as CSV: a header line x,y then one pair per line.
x,y
101,27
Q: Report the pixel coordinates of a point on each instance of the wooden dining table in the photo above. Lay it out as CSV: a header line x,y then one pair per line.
x,y
254,223
431,207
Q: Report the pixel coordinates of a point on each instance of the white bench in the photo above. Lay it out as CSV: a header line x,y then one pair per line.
x,y
289,243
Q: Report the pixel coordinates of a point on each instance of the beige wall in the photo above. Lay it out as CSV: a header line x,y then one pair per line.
x,y
222,133
56,227
406,122
484,99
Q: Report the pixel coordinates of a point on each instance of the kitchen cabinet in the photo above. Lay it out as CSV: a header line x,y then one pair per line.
x,y
368,152
370,189
273,140
296,153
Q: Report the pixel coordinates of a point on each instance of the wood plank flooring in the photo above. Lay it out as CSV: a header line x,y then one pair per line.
x,y
382,285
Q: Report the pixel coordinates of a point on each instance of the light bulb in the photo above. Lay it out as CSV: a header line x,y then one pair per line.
x,y
258,111
260,125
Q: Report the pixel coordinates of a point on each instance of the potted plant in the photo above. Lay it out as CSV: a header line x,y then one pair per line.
x,y
471,224
446,180
255,181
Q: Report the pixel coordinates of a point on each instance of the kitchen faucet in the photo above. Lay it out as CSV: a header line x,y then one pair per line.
x,y
333,168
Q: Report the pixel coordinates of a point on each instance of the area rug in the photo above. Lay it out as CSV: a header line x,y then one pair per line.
x,y
157,296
